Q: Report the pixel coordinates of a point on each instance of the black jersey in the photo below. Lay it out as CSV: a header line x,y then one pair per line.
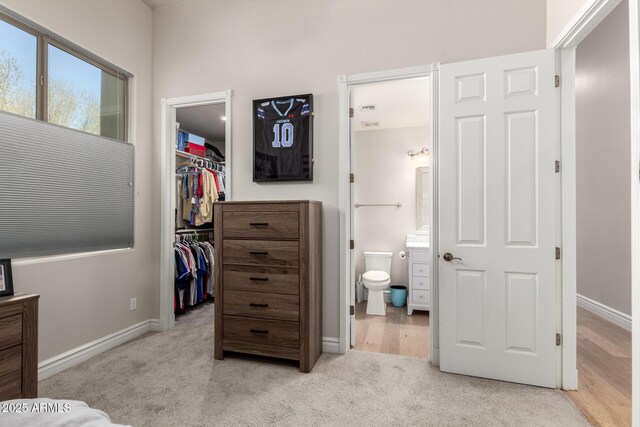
x,y
281,151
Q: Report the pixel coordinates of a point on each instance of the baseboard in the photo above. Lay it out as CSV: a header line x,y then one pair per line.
x,y
84,352
611,314
330,345
157,325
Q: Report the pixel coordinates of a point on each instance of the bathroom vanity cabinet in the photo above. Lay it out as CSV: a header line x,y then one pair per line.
x,y
419,295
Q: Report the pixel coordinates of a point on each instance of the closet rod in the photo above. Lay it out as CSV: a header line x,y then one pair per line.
x,y
187,156
195,230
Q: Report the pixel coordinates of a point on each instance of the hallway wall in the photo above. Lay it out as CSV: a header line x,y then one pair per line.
x,y
603,163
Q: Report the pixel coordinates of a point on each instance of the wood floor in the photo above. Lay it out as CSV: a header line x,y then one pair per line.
x,y
395,333
604,371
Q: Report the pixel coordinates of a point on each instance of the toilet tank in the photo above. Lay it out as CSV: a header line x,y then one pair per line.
x,y
378,261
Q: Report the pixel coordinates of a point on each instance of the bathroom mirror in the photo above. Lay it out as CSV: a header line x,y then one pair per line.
x,y
423,201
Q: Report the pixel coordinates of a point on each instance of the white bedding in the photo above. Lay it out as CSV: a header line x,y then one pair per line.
x,y
45,412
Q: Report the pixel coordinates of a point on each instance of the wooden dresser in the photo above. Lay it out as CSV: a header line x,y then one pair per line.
x,y
19,346
268,279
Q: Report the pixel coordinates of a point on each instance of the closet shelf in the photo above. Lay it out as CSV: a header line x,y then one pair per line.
x,y
187,156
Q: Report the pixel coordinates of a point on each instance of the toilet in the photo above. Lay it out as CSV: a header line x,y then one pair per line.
x,y
376,280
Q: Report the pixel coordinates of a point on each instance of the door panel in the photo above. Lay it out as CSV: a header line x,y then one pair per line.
x,y
497,213
471,192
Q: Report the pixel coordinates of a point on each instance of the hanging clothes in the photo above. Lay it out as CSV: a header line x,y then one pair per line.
x,y
194,278
198,192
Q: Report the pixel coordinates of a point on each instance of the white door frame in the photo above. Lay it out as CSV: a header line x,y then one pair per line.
x,y
167,189
587,18
634,45
346,209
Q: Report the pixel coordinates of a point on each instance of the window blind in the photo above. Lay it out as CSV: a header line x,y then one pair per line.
x,y
62,191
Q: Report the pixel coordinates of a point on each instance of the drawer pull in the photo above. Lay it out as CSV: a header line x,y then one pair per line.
x,y
258,253
259,279
259,331
258,224
253,304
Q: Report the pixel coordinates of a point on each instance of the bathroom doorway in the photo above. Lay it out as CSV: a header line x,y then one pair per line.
x,y
391,198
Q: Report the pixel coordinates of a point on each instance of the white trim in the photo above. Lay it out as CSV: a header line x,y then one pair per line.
x,y
167,198
85,352
569,371
330,345
587,18
634,45
612,315
344,194
434,232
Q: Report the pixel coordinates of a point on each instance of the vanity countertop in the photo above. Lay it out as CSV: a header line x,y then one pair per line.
x,y
417,241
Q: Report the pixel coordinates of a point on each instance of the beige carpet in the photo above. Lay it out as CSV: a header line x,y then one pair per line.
x,y
171,379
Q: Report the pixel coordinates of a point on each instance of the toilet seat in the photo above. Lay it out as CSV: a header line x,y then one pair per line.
x,y
376,277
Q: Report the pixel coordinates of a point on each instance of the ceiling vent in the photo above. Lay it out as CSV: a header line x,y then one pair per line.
x,y
367,108
370,124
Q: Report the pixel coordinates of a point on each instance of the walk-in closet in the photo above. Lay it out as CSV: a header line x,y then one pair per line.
x,y
200,180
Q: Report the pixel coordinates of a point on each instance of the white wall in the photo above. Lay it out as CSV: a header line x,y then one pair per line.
x,y
260,49
559,14
386,174
603,168
85,298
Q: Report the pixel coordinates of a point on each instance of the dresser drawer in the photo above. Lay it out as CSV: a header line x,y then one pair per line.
x,y
420,270
262,305
260,252
261,225
279,280
10,360
421,297
277,333
10,331
11,386
421,283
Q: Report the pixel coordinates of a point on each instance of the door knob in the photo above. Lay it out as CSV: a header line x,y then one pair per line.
x,y
448,257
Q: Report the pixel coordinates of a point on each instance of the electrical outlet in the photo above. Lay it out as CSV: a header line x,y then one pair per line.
x,y
133,304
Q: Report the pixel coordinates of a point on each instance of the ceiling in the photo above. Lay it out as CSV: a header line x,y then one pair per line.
x,y
154,4
398,104
203,120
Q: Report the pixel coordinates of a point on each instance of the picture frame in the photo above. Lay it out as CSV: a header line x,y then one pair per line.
x,y
283,138
6,278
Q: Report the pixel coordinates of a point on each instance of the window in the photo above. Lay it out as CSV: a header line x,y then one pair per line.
x,y
46,78
66,169
84,97
18,70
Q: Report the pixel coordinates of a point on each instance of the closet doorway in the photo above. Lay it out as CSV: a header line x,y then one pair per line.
x,y
391,215
196,171
604,217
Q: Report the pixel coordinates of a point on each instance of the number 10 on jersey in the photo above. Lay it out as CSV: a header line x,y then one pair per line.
x,y
282,135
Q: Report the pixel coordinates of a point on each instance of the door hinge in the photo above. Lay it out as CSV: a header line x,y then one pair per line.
x,y
351,112
352,310
557,253
352,178
42,80
557,166
557,81
558,339
352,244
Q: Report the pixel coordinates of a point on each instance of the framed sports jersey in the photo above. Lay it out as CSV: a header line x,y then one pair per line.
x,y
283,139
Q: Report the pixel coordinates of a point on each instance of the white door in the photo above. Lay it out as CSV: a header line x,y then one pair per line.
x,y
497,195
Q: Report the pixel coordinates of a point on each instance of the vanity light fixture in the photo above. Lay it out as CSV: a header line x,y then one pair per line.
x,y
423,150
